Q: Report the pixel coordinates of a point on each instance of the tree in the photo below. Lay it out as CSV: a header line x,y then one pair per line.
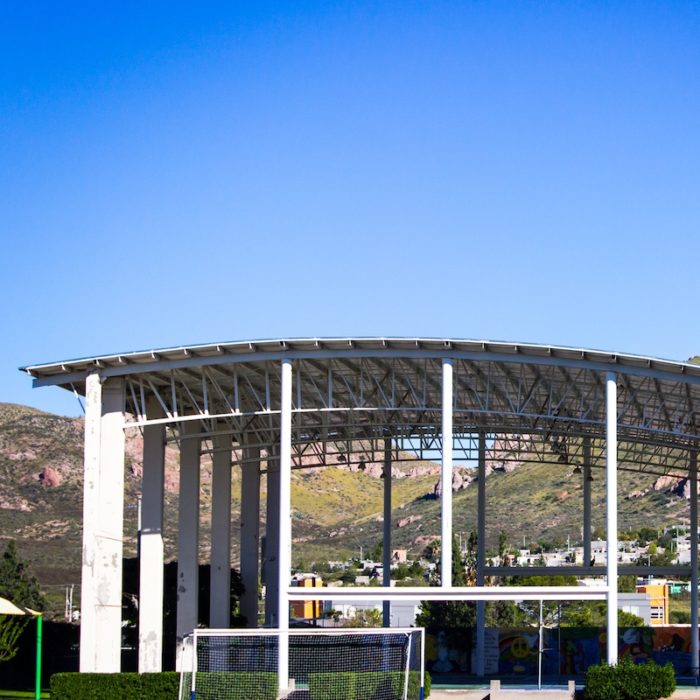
x,y
647,534
457,617
16,582
654,557
11,627
460,574
377,552
627,584
628,619
21,588
365,618
503,548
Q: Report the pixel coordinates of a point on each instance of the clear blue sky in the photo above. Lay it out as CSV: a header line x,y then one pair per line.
x,y
176,173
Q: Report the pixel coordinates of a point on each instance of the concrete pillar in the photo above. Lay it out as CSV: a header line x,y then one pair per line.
x,y
587,524
481,559
250,532
446,477
272,528
188,535
611,506
285,521
386,559
694,642
103,508
151,548
220,591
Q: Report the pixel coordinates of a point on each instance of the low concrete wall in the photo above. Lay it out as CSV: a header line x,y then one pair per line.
x,y
496,692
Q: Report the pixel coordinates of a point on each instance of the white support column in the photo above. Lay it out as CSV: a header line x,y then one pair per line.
x,y
103,508
220,591
586,501
151,550
188,534
285,521
481,559
250,532
694,642
446,477
611,505
91,493
272,531
386,559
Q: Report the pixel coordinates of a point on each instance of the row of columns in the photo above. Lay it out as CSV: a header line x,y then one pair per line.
x,y
103,536
611,517
103,504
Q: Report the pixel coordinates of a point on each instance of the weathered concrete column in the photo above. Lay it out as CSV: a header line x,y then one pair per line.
x,y
285,522
272,529
481,559
694,642
386,558
151,550
611,506
188,534
103,508
586,501
250,532
446,477
220,591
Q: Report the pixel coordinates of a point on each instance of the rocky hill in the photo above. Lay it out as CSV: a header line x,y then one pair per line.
x,y
336,509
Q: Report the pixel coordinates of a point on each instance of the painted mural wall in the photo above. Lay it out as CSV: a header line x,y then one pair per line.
x,y
569,651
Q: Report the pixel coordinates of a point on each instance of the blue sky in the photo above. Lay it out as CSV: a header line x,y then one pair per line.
x,y
175,173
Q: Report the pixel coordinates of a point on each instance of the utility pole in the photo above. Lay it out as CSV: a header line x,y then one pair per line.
x,y
68,609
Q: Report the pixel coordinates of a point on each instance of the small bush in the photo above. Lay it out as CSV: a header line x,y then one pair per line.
x,y
359,685
630,681
427,684
160,686
332,686
107,686
239,684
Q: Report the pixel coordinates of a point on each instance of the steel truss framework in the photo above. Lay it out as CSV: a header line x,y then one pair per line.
x,y
352,401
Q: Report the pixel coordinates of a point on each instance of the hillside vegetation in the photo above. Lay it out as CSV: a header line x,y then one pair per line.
x,y
335,510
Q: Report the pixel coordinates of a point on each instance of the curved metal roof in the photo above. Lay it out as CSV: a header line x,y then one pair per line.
x,y
67,371
536,401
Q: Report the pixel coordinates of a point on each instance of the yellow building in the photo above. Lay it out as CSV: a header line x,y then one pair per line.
x,y
307,609
658,601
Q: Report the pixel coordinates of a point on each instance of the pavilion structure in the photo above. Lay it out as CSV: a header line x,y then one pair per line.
x,y
274,406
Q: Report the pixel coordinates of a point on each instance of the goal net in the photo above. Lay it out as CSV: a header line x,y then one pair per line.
x,y
303,664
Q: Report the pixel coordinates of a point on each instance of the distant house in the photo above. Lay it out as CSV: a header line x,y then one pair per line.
x,y
658,593
307,609
638,604
399,556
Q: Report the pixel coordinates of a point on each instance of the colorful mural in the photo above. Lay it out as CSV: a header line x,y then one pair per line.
x,y
568,651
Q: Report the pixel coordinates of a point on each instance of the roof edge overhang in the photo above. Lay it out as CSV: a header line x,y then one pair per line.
x,y
71,372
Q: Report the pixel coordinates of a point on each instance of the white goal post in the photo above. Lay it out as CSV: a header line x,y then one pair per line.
x,y
386,663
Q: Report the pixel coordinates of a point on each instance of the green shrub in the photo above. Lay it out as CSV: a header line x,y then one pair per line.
x,y
360,685
427,684
160,686
252,686
107,686
630,681
239,684
332,686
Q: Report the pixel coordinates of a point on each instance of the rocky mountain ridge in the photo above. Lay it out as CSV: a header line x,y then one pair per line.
x,y
335,508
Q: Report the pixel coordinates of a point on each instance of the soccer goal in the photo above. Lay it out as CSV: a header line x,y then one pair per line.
x,y
304,664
